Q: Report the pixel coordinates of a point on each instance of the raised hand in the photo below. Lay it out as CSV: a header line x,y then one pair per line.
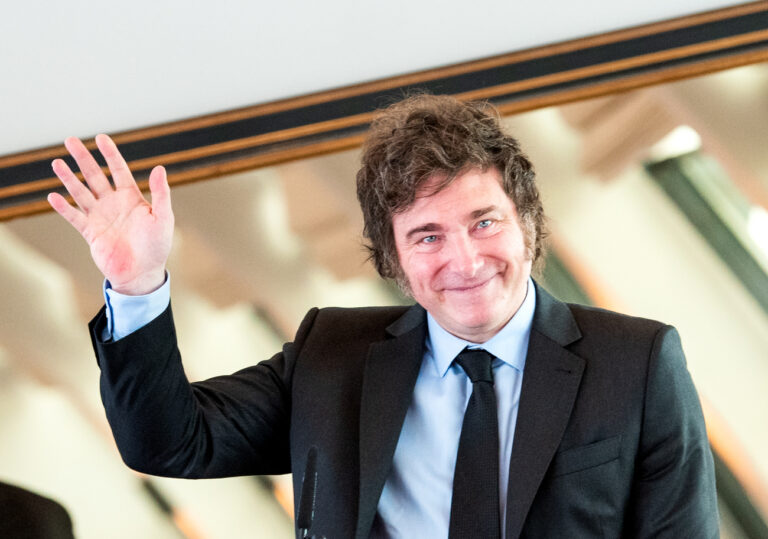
x,y
130,239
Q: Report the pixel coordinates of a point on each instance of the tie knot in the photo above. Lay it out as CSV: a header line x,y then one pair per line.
x,y
477,364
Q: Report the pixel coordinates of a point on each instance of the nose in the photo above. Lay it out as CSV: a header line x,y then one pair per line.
x,y
465,259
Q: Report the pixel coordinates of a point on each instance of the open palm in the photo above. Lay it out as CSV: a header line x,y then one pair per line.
x,y
130,240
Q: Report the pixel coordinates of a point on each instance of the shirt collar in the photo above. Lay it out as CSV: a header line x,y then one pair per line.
x,y
510,344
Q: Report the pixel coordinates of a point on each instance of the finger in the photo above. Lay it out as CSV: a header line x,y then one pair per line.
x,y
91,170
73,216
121,174
83,197
161,193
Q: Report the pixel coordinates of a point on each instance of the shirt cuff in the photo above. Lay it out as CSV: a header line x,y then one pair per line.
x,y
126,314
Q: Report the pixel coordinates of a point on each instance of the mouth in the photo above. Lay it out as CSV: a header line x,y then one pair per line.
x,y
471,287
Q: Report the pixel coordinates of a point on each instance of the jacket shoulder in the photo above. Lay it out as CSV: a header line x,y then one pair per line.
x,y
615,332
358,320
595,316
339,325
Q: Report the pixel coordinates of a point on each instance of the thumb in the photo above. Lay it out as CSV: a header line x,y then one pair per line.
x,y
161,193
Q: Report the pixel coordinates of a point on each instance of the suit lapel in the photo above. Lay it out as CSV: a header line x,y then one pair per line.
x,y
550,384
390,374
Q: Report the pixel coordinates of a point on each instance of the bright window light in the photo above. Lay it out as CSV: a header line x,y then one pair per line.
x,y
681,140
757,225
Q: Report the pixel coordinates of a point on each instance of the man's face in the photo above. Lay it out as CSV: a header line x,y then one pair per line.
x,y
463,253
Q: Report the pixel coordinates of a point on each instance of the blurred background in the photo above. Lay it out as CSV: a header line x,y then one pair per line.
x,y
657,201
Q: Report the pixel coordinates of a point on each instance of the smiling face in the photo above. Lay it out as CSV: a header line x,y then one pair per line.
x,y
464,255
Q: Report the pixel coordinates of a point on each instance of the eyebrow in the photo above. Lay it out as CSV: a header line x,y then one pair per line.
x,y
482,211
434,227
428,227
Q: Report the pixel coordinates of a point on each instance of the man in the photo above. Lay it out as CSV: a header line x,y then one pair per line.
x,y
488,409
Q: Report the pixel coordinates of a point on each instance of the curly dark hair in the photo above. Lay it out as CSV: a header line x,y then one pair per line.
x,y
416,139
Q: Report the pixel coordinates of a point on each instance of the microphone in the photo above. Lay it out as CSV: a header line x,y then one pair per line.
x,y
308,493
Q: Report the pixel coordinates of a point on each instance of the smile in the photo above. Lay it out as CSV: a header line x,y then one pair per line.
x,y
468,288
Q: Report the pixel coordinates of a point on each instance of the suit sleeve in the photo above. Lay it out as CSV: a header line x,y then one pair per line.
x,y
674,491
163,425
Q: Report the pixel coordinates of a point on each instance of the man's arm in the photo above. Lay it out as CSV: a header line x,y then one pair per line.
x,y
674,491
228,425
162,424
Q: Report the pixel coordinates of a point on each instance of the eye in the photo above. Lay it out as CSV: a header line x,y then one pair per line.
x,y
429,239
485,223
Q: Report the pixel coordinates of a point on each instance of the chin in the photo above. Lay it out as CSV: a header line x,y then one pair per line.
x,y
475,324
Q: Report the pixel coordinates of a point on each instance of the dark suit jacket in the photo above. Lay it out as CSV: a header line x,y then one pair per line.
x,y
26,515
610,440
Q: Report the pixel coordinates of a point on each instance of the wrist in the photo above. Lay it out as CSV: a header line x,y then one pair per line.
x,y
142,285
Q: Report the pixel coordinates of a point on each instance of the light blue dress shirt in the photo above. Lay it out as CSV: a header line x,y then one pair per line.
x,y
126,314
416,500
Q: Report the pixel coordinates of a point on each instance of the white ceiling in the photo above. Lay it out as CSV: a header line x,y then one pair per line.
x,y
82,67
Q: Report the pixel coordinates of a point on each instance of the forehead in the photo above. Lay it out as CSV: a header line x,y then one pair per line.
x,y
467,193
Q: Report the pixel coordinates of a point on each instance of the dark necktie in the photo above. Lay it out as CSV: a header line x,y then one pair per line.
x,y
475,502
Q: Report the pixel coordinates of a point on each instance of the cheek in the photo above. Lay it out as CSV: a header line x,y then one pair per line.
x,y
419,271
512,247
